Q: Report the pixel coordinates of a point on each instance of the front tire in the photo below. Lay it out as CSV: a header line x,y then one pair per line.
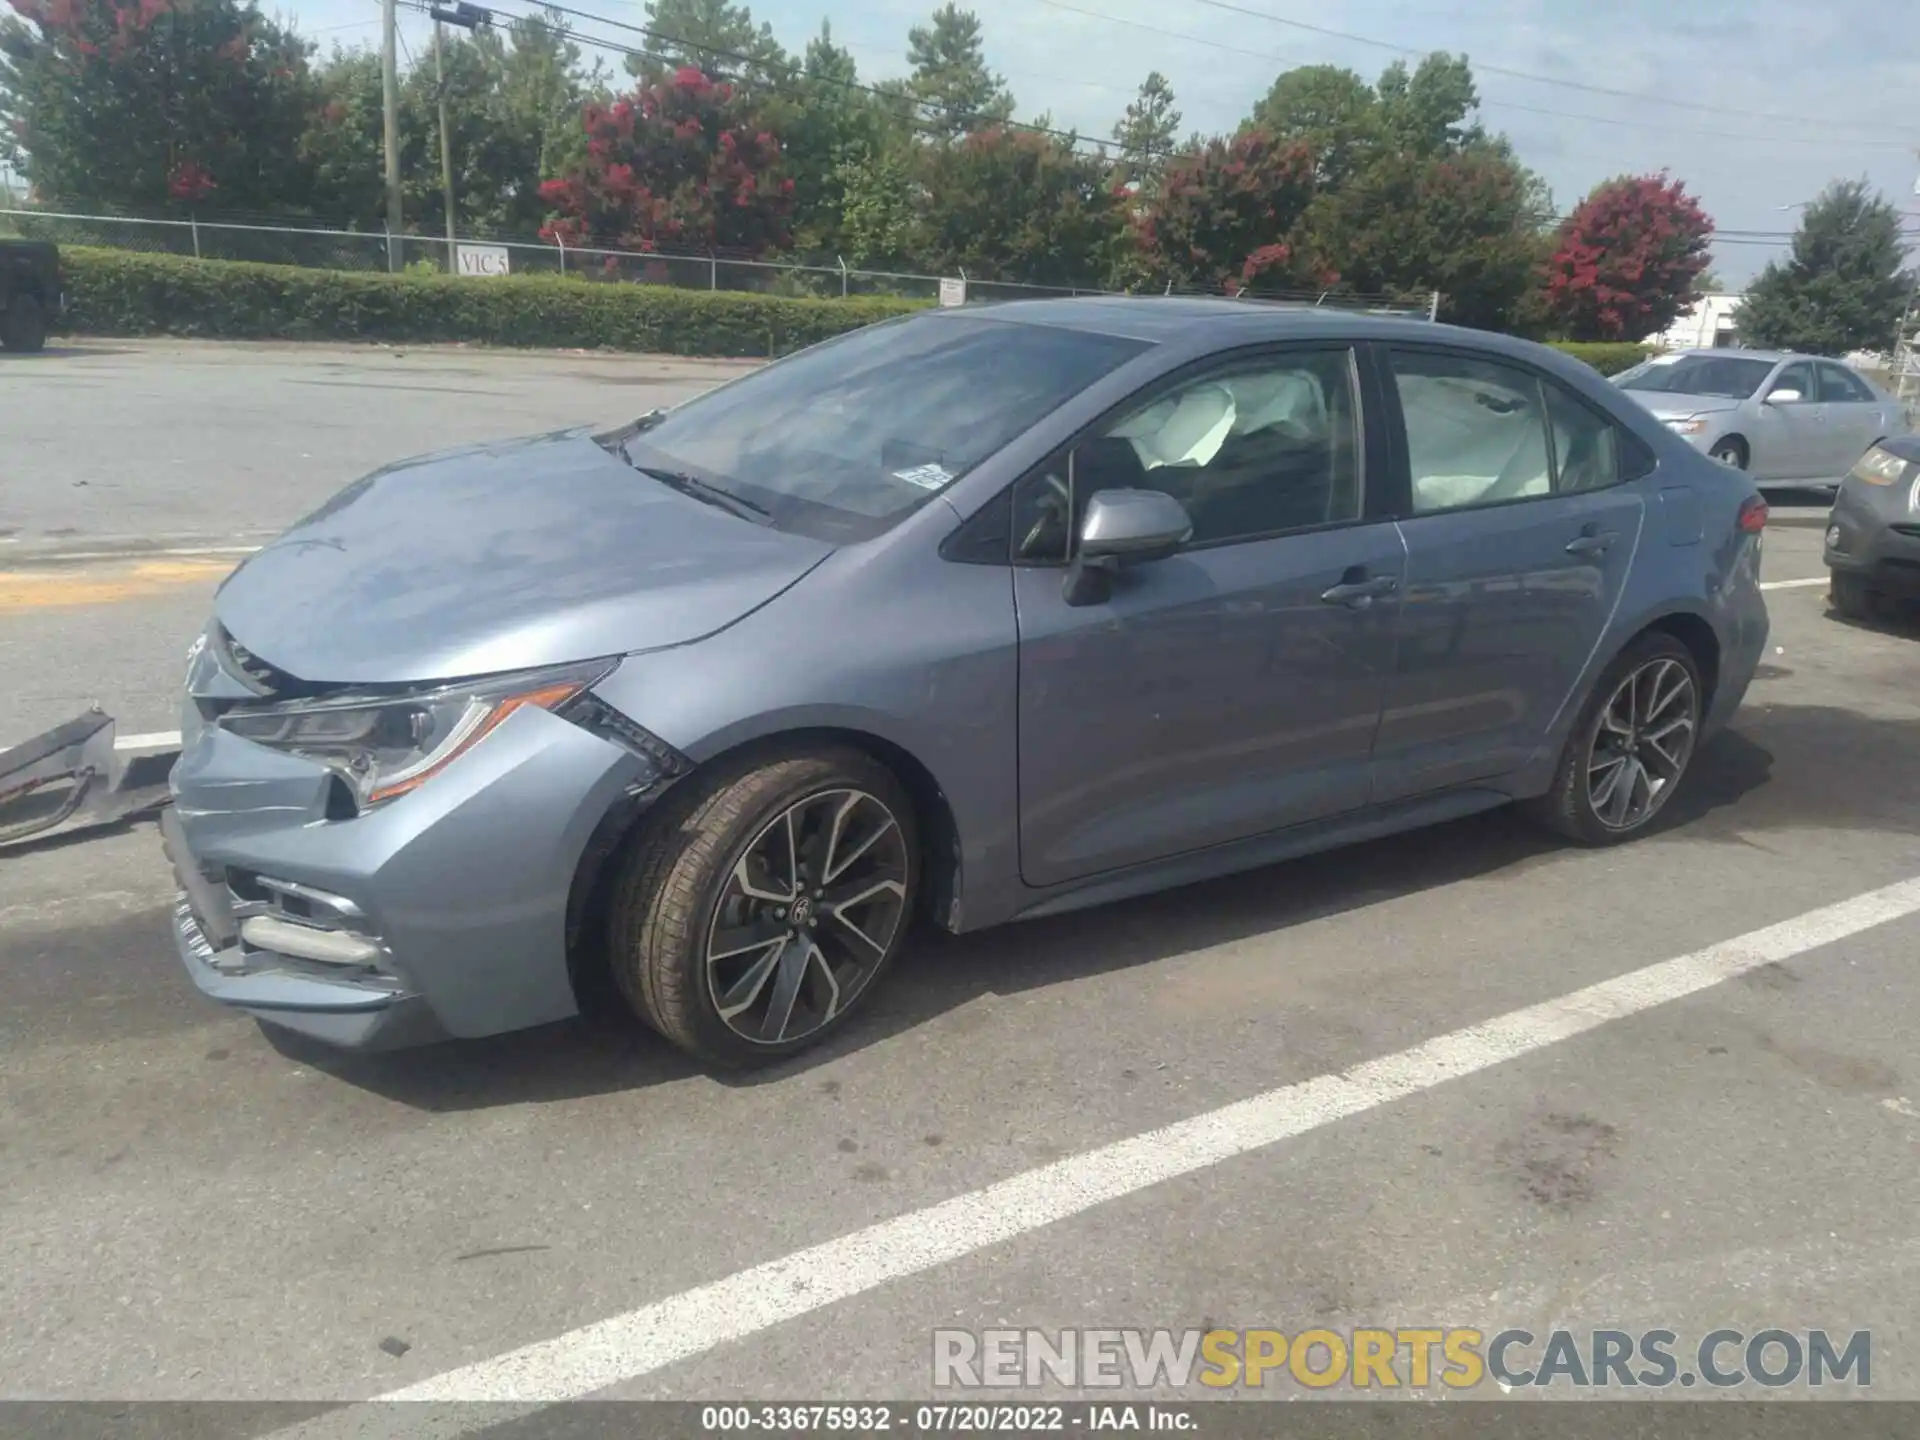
x,y
23,325
1730,451
1631,748
764,904
1851,597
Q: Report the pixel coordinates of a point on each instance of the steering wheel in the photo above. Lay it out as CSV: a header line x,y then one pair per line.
x,y
1056,505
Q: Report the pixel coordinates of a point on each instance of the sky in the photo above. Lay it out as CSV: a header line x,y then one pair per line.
x,y
1754,104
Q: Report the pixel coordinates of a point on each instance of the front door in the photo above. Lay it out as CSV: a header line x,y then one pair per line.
x,y
1519,536
1790,435
1234,688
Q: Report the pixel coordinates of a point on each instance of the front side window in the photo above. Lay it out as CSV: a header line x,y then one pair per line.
x,y
842,440
1721,377
1264,447
1798,378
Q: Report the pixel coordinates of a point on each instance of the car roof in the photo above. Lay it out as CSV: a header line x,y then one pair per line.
x,y
1157,319
1772,357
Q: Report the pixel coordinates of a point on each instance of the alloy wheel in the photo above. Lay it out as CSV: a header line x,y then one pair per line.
x,y
807,915
1642,744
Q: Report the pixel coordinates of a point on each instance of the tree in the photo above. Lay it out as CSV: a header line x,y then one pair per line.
x,y
138,104
716,37
514,99
681,164
880,205
1349,124
1015,205
1842,288
1428,112
341,146
1228,217
950,74
830,126
1147,133
1625,261
1330,110
1462,224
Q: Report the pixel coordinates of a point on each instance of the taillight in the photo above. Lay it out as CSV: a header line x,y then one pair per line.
x,y
1753,515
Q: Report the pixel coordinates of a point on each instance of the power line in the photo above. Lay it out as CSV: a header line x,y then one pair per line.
x,y
1553,80
787,73
1485,103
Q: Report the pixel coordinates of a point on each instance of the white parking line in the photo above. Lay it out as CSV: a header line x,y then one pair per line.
x,y
1793,584
66,557
641,1341
158,739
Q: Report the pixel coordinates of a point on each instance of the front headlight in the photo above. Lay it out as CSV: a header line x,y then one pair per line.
x,y
1693,425
382,746
1879,466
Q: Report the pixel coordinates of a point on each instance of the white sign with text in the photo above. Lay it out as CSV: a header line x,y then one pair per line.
x,y
482,260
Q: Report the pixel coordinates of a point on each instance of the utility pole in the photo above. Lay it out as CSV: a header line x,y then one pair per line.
x,y
446,146
390,105
470,18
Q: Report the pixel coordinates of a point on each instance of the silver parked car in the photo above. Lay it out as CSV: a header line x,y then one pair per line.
x,y
1784,419
971,616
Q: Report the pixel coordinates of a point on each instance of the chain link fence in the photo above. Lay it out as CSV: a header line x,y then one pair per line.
x,y
310,247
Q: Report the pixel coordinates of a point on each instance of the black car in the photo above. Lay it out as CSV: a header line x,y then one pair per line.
x,y
1873,532
30,292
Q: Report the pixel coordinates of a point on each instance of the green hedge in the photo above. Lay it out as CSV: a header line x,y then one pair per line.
x,y
1607,356
118,292
115,292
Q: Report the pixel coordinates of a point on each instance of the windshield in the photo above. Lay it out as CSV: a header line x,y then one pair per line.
x,y
843,439
1725,376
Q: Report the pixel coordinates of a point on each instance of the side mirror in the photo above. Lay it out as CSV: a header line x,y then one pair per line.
x,y
1783,395
1122,528
1133,526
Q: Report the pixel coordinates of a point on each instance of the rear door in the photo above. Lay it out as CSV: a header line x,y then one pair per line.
x,y
1853,418
1519,535
1235,687
1790,442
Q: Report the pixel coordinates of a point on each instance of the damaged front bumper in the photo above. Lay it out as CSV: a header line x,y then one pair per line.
x,y
442,914
80,776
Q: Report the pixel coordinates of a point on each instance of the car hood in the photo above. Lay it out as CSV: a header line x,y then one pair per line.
x,y
1668,406
501,557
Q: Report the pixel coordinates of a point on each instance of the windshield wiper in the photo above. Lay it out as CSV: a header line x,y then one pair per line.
x,y
712,494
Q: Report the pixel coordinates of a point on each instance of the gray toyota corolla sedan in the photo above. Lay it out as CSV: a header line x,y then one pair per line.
x,y
972,616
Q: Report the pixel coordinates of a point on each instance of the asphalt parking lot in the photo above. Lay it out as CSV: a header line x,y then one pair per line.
x,y
193,1211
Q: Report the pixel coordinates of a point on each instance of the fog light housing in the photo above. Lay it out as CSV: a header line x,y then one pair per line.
x,y
1833,538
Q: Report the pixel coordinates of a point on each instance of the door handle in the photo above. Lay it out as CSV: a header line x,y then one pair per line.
x,y
1591,543
1359,593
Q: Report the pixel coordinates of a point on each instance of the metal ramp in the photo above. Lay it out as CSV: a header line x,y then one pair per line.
x,y
1904,376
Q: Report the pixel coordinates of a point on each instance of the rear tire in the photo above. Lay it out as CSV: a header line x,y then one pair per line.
x,y
23,325
1638,729
1730,451
791,883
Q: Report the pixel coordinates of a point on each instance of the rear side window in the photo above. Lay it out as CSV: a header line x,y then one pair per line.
x,y
1837,383
1586,447
1482,432
1476,430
